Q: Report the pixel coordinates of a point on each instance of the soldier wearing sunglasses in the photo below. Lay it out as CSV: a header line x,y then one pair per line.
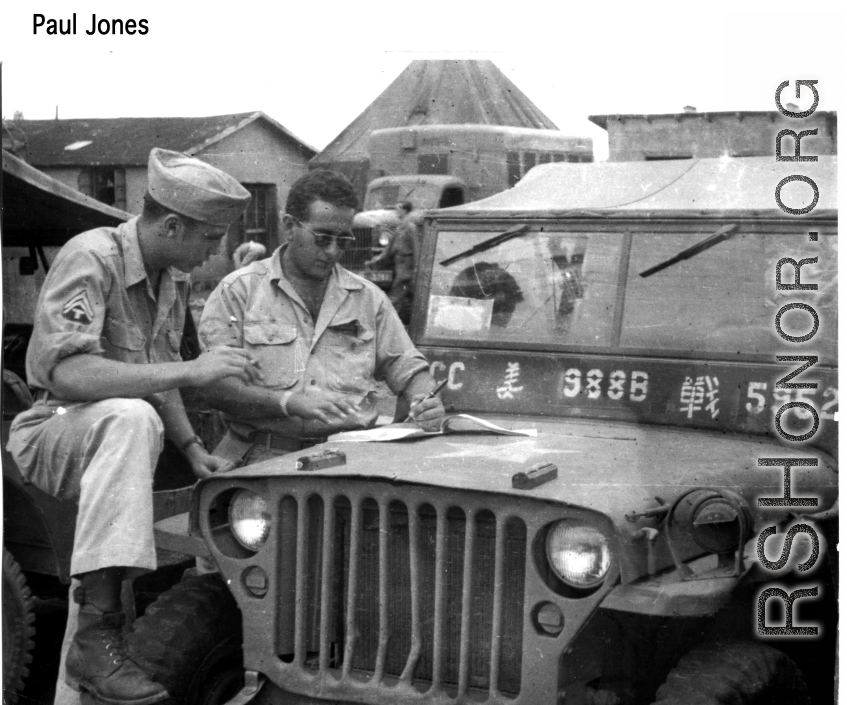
x,y
323,336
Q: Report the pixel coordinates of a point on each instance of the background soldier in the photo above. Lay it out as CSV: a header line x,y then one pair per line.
x,y
401,253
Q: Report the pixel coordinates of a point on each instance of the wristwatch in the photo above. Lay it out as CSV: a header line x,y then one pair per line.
x,y
194,439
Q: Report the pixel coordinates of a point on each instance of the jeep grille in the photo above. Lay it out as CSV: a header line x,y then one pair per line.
x,y
347,602
355,257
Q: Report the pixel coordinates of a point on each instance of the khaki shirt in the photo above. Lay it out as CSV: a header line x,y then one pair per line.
x,y
97,299
356,341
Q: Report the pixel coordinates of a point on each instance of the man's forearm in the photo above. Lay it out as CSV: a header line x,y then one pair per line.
x,y
91,378
421,384
172,412
245,401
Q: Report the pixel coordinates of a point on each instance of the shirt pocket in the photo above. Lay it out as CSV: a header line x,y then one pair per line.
x,y
276,347
351,358
126,336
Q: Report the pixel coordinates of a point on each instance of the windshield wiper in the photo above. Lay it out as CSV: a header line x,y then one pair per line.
x,y
488,244
726,232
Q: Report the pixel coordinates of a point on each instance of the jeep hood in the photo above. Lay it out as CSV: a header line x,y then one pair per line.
x,y
611,468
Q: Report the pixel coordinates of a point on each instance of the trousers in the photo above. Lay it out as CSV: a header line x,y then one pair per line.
x,y
103,454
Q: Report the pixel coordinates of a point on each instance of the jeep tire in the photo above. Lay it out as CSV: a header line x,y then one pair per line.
x,y
18,629
189,640
742,672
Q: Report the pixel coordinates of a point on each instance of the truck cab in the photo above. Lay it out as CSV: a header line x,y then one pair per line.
x,y
622,317
441,166
377,223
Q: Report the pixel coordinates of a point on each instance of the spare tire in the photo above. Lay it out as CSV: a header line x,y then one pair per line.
x,y
189,640
18,629
736,673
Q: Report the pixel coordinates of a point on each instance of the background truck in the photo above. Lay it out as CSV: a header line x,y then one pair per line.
x,y
624,314
376,225
440,166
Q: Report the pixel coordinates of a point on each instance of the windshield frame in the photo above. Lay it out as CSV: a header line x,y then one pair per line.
x,y
627,227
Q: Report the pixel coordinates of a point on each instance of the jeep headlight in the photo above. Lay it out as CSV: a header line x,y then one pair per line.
x,y
249,519
579,554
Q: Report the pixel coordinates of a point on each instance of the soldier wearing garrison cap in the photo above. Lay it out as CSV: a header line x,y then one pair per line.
x,y
104,360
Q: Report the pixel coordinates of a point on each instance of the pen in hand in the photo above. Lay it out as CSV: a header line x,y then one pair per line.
x,y
438,387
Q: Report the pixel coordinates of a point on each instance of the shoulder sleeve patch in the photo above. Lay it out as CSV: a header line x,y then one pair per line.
x,y
78,308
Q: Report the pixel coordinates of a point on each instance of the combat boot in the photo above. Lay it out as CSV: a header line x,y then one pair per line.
x,y
97,661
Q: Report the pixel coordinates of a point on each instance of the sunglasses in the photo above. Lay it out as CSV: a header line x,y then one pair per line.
x,y
344,241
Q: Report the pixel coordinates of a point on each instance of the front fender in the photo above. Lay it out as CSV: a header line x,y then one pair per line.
x,y
670,594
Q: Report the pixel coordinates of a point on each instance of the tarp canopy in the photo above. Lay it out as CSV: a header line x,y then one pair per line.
x,y
39,210
689,186
437,93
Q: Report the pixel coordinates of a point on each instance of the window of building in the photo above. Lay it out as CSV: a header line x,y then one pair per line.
x,y
528,161
260,217
433,164
106,184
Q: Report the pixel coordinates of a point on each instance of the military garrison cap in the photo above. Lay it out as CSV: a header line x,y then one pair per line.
x,y
194,188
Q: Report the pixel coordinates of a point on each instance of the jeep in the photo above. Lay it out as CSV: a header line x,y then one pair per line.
x,y
625,314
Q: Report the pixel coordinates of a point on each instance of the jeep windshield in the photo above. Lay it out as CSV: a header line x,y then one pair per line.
x,y
581,289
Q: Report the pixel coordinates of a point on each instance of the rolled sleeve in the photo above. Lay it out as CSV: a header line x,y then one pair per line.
x,y
56,347
398,360
71,314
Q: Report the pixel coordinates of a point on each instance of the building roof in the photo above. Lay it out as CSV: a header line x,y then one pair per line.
x,y
39,210
430,92
128,141
743,185
604,120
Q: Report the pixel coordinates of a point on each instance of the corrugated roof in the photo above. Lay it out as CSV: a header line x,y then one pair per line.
x,y
689,185
128,141
432,92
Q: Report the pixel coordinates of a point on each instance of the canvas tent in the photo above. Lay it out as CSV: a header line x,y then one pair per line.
x,y
432,92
